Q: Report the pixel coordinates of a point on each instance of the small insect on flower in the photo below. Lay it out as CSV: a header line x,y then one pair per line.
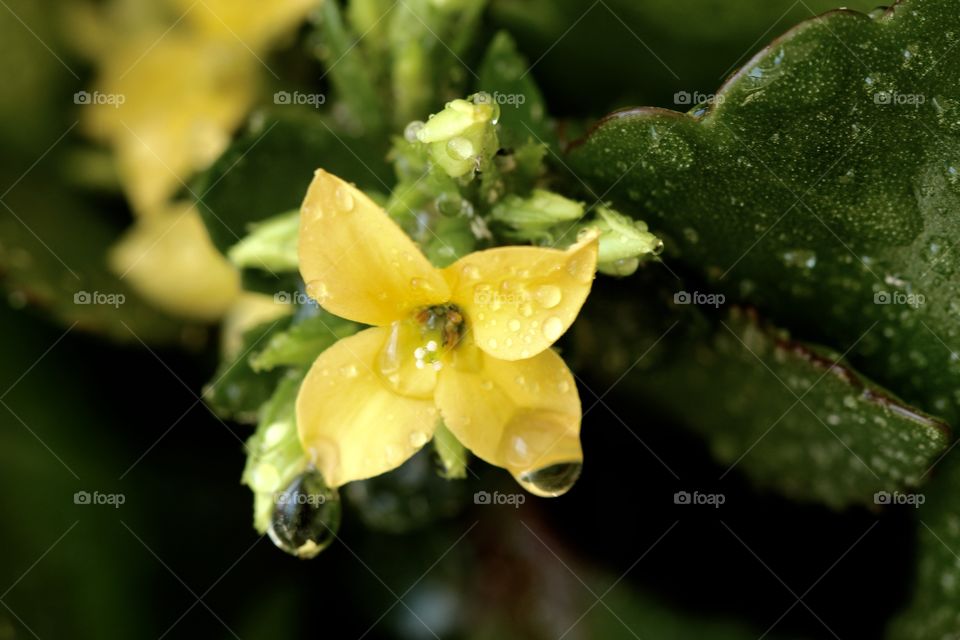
x,y
468,346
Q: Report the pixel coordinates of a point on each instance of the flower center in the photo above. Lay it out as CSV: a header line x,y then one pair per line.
x,y
446,320
419,347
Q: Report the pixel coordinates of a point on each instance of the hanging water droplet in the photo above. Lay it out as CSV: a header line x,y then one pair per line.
x,y
306,516
412,130
552,481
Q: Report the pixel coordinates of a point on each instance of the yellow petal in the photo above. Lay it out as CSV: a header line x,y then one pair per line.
x,y
351,423
253,24
357,263
168,107
519,300
169,259
523,416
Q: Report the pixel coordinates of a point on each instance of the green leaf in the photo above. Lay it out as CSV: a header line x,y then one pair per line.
x,y
822,187
933,611
503,74
351,74
303,341
793,417
268,169
271,245
624,52
237,391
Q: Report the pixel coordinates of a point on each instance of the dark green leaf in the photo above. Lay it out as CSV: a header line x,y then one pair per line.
x,y
267,171
303,341
503,74
237,391
623,52
823,187
793,417
933,612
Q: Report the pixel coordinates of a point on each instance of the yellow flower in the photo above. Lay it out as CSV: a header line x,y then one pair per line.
x,y
181,76
469,344
169,259
182,99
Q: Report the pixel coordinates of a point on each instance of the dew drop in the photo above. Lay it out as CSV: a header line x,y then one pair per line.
x,y
470,271
548,296
411,131
460,148
552,328
306,516
554,480
514,325
418,439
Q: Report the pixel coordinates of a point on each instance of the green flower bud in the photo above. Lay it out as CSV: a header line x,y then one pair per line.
x,y
451,454
275,455
623,242
463,136
272,245
538,211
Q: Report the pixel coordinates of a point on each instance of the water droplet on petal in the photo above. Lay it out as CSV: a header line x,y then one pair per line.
x,y
306,516
548,296
470,271
551,481
514,325
418,439
552,328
